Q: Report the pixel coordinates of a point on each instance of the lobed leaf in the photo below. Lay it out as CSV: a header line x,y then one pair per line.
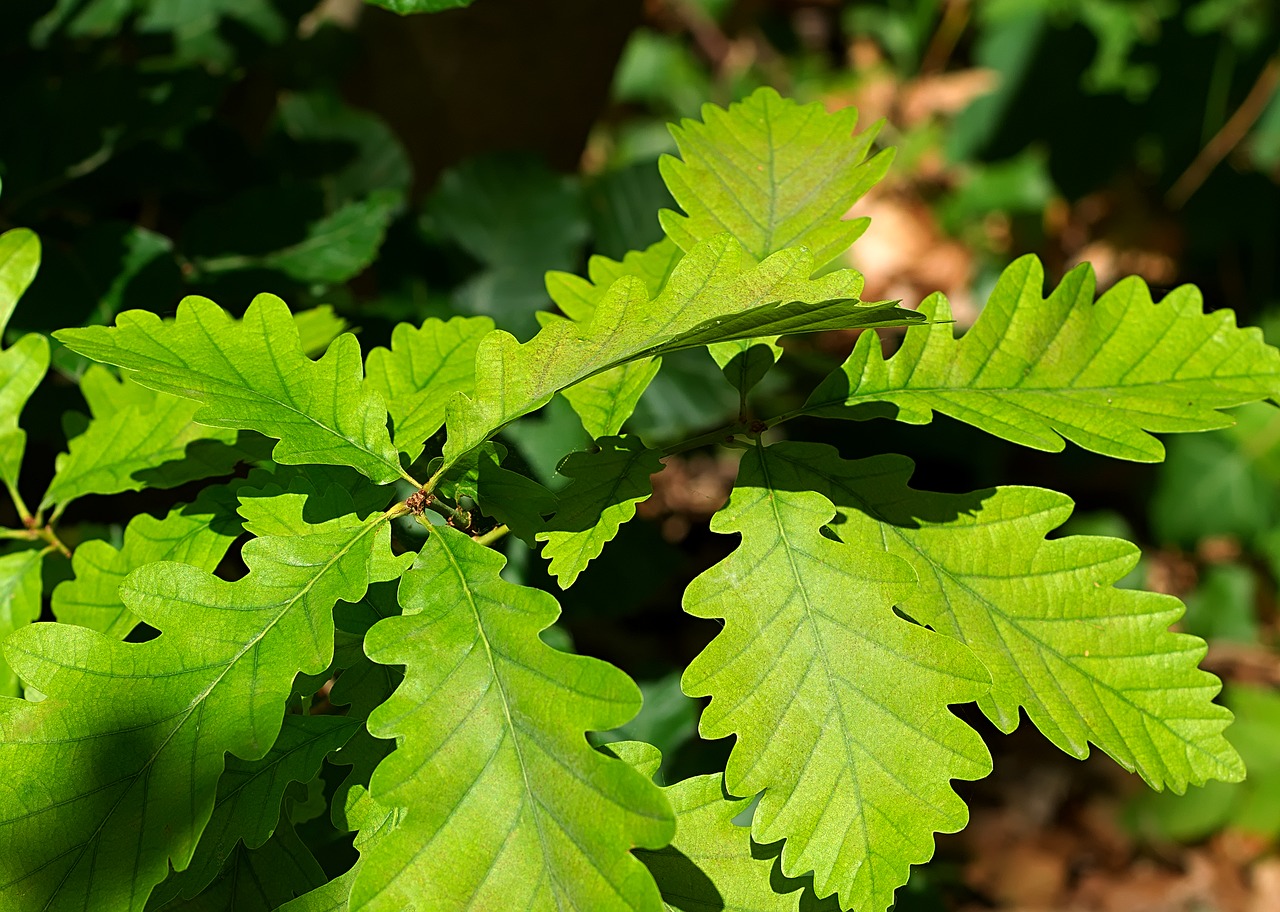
x,y
253,374
19,261
137,438
506,805
421,371
1034,370
607,484
774,174
709,284
256,880
196,534
245,817
840,707
112,777
1087,662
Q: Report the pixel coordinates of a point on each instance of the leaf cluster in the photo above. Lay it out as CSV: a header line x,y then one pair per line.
x,y
334,596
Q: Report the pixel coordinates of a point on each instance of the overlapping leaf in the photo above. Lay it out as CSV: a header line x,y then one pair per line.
x,y
1086,661
253,374
608,482
196,534
421,371
112,777
1034,370
506,805
245,817
840,707
773,173
709,285
712,863
138,438
256,880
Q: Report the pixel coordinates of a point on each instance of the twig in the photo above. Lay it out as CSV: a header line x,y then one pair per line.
x,y
491,536
1227,138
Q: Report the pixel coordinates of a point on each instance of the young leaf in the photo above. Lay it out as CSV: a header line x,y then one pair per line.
x,y
421,371
20,585
839,705
608,482
113,775
1087,662
137,438
252,374
196,534
710,284
711,863
491,762
248,807
1034,370
773,173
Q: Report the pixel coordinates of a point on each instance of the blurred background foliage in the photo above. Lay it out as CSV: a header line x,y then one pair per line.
x,y
401,168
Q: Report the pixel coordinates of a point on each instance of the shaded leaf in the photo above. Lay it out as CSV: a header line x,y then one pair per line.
x,y
252,374
246,813
840,707
608,482
112,777
711,863
256,880
341,245
491,763
1034,370
1087,662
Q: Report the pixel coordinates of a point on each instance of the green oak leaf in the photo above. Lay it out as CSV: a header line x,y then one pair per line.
x,y
248,808
256,880
608,482
1034,370
196,534
20,589
773,173
712,283
111,778
423,368
137,438
1086,661
252,374
23,364
712,863
19,261
840,707
491,763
